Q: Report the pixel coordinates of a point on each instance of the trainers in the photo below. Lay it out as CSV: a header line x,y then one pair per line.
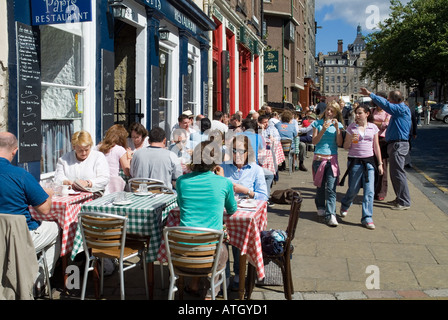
x,y
392,203
343,213
369,225
400,207
332,222
320,212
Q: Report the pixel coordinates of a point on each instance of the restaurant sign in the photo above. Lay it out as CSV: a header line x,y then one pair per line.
x,y
60,11
271,61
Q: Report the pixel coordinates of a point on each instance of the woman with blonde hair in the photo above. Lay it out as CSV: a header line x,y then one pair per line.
x,y
327,137
87,167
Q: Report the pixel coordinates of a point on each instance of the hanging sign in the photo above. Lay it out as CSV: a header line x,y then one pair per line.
x,y
60,11
271,61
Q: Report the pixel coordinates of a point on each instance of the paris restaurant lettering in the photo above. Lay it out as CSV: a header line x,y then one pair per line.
x,y
60,11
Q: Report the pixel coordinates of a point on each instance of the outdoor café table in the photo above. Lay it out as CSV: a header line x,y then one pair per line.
x,y
64,210
272,157
243,228
146,215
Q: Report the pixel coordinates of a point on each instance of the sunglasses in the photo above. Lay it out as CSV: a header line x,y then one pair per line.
x,y
239,151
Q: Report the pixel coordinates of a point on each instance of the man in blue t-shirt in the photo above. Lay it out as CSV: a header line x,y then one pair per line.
x,y
19,190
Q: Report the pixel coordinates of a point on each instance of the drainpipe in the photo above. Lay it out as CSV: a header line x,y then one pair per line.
x,y
208,7
283,63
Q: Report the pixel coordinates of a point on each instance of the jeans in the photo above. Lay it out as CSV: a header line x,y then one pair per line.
x,y
356,179
326,193
269,177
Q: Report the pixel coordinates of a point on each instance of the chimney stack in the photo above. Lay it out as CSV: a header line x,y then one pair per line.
x,y
340,46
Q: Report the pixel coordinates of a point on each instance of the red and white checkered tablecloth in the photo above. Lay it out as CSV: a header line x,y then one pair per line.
x,y
64,210
278,149
243,227
266,157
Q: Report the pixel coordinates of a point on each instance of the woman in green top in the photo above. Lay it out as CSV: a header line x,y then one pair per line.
x,y
203,194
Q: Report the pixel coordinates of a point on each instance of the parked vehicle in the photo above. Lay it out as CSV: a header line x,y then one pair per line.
x,y
435,108
442,113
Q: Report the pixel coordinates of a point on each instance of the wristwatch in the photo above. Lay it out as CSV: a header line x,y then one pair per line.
x,y
248,192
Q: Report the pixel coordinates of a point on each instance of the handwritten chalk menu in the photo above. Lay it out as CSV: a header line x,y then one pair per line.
x,y
107,93
29,132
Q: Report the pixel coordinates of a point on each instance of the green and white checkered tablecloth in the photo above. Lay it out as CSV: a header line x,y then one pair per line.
x,y
146,216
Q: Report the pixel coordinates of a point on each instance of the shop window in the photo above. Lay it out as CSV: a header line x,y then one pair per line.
x,y
62,90
192,77
165,92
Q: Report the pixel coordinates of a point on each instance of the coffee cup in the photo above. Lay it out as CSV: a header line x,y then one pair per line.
x,y
65,189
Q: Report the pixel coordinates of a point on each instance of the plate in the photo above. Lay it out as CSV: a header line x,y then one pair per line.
x,y
143,193
73,192
122,203
247,204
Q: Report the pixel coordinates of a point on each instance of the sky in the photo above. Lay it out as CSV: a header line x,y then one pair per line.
x,y
340,18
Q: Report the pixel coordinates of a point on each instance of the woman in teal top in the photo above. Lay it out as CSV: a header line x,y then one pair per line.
x,y
327,136
203,194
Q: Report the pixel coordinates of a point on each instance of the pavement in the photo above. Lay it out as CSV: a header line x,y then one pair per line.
x,y
404,258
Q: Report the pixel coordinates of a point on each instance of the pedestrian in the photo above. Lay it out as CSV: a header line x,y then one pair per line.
x,y
381,119
418,113
427,110
327,136
362,144
320,107
397,136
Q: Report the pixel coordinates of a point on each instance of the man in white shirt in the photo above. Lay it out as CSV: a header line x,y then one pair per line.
x,y
217,124
183,123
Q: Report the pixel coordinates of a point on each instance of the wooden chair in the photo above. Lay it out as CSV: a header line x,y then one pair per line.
x,y
286,145
194,248
154,185
104,236
282,260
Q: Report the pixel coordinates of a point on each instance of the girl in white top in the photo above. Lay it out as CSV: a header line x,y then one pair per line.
x,y
86,166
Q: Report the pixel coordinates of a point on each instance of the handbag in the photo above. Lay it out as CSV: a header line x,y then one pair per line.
x,y
282,196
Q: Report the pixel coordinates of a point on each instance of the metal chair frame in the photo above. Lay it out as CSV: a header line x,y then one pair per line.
x,y
193,248
287,146
154,185
104,236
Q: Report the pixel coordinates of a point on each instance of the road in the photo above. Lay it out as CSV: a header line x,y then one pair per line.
x,y
429,156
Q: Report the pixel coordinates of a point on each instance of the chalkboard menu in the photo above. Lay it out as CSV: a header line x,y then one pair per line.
x,y
29,93
107,92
